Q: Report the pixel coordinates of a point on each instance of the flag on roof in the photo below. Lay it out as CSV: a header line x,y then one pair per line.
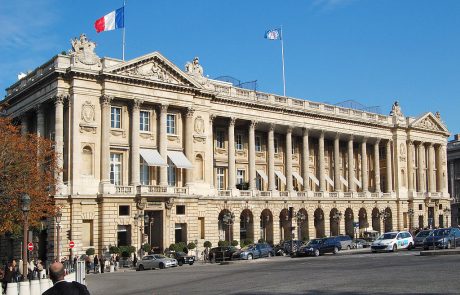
x,y
113,20
274,34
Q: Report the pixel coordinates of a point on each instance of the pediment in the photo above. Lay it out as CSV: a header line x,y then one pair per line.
x,y
154,67
430,122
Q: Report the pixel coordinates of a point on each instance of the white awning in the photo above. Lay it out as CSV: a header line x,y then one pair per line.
x,y
329,180
263,175
344,181
179,160
281,176
298,177
357,182
152,157
314,179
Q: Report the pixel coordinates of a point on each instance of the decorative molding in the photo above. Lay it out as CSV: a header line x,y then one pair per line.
x,y
173,138
137,104
118,132
199,138
189,113
88,112
151,71
199,125
232,121
147,135
106,100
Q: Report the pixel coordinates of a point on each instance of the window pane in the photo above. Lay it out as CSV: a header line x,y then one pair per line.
x,y
144,121
258,144
171,124
144,173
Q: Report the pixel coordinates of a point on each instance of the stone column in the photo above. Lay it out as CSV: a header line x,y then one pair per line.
x,y
271,158
135,157
24,124
377,165
305,161
389,183
431,179
105,138
40,120
364,170
439,169
189,144
443,164
452,180
289,186
322,178
210,152
231,154
59,139
421,167
410,165
337,183
163,143
252,155
351,168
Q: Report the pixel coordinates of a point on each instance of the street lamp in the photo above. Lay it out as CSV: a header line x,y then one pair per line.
x,y
149,219
411,213
300,217
228,219
337,217
58,227
25,208
384,216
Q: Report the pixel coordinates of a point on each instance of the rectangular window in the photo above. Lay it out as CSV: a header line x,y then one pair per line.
x,y
239,176
220,178
123,210
276,145
144,172
115,168
115,117
201,227
259,182
220,139
239,142
180,209
294,147
258,144
171,124
87,233
171,173
144,121
420,207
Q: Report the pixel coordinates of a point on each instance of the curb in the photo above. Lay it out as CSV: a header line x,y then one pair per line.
x,y
439,252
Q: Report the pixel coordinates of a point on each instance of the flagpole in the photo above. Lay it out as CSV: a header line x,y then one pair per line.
x,y
282,58
124,32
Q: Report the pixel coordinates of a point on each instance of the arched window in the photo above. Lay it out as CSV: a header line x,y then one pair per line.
x,y
199,168
87,161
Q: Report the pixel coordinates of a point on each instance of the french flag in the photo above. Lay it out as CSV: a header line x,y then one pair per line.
x,y
113,20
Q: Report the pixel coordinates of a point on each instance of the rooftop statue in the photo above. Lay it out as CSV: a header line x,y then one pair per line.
x,y
83,51
194,68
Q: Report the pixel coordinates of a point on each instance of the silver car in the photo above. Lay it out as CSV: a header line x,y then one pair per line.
x,y
156,261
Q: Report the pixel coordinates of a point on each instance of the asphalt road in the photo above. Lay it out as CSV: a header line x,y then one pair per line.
x,y
403,272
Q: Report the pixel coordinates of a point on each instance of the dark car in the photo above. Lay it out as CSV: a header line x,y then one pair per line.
x,y
317,247
254,251
216,254
182,258
444,238
284,248
419,239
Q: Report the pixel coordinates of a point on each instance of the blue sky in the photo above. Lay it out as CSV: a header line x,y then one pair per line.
x,y
371,51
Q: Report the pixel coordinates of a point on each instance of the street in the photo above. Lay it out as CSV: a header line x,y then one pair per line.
x,y
364,273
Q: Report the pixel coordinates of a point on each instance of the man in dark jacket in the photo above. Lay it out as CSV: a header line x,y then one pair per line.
x,y
61,287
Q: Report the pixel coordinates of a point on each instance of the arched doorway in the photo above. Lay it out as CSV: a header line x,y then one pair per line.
x,y
302,226
285,225
334,218
225,224
376,220
363,224
388,221
266,226
349,228
246,225
319,223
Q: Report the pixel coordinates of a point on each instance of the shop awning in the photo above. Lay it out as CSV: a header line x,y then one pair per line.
x,y
152,157
179,160
329,180
263,175
281,176
344,181
298,177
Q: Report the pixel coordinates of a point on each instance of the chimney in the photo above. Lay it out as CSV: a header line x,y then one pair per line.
x,y
457,137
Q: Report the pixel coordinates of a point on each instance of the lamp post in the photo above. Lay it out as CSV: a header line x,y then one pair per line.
x,y
25,208
228,219
300,217
337,217
384,216
149,219
411,213
58,228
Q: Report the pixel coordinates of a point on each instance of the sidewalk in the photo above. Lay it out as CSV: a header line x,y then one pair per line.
x,y
440,252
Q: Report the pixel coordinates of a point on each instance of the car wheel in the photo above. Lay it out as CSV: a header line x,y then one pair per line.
x,y
410,247
373,251
316,252
141,267
394,248
180,262
191,263
425,248
162,266
250,257
336,250
348,247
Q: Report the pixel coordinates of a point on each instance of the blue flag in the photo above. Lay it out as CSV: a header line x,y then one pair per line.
x,y
274,34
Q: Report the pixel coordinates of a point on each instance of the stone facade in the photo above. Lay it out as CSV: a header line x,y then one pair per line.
x,y
453,164
204,160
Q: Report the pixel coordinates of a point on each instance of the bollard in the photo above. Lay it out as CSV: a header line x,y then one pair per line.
x,y
35,287
44,285
12,289
112,268
24,288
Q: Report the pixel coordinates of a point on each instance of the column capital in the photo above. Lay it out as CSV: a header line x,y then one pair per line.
x,y
253,123
337,136
377,141
364,139
232,121
163,107
136,104
289,129
321,133
38,107
189,113
271,126
409,142
305,131
106,100
351,137
60,98
212,117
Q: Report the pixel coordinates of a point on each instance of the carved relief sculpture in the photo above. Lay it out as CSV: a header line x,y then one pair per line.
x,y
83,51
88,123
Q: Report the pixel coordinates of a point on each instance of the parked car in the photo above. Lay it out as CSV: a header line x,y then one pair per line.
x,y
419,239
318,247
254,251
443,238
370,235
345,241
156,261
216,254
181,257
393,241
284,248
360,243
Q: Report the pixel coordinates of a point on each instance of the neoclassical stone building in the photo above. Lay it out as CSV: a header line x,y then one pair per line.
x,y
453,162
153,153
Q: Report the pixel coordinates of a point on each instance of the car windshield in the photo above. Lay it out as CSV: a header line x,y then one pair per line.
x,y
181,254
442,232
315,242
249,247
158,256
423,234
387,236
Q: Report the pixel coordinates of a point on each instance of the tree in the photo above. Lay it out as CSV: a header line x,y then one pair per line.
x,y
27,165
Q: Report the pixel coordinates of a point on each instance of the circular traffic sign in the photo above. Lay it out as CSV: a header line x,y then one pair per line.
x,y
30,246
71,244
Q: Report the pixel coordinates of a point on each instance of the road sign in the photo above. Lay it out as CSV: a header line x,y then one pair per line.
x,y
30,246
71,244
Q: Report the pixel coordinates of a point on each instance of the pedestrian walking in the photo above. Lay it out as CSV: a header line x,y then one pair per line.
x,y
96,264
61,286
87,264
135,260
9,276
117,262
102,262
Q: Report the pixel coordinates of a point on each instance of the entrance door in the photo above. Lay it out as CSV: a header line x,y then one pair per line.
x,y
154,230
180,232
124,235
430,217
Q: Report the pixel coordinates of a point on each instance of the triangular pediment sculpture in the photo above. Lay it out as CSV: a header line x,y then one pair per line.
x,y
428,121
155,67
